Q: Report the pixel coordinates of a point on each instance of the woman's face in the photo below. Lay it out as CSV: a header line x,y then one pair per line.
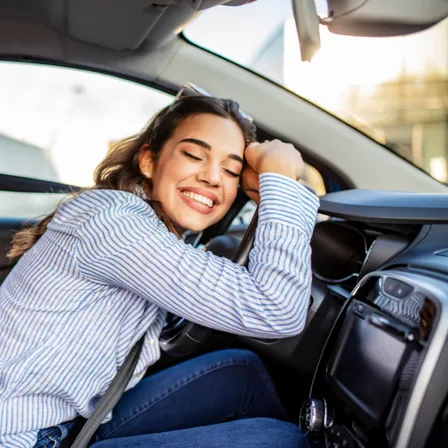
x,y
197,173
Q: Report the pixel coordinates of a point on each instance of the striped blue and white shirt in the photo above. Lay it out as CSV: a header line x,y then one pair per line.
x,y
106,272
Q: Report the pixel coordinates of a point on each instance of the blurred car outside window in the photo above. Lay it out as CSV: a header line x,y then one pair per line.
x,y
57,123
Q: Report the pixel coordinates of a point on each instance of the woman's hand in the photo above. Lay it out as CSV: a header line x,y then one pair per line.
x,y
270,157
275,157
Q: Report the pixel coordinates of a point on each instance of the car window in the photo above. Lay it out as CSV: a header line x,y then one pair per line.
x,y
245,215
57,124
393,89
28,206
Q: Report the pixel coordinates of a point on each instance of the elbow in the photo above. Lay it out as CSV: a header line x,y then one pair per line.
x,y
291,328
295,317
298,328
294,330
285,317
292,318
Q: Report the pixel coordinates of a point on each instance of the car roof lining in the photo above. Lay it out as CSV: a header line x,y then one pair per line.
x,y
130,38
22,39
111,24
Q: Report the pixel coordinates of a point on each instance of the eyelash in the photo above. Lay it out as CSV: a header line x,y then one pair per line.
x,y
191,156
232,173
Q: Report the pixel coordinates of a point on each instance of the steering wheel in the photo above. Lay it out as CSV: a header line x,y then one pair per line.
x,y
180,337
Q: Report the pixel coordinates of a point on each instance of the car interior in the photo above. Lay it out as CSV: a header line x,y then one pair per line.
x,y
369,369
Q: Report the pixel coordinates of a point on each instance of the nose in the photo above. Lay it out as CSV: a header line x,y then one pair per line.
x,y
211,175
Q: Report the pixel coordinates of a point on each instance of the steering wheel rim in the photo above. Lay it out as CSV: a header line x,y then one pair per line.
x,y
181,337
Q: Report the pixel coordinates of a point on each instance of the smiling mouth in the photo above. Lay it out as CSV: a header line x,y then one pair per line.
x,y
198,198
198,202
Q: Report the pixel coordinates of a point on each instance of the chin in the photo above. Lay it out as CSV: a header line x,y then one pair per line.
x,y
194,221
195,227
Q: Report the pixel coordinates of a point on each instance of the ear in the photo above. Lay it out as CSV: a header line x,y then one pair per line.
x,y
145,161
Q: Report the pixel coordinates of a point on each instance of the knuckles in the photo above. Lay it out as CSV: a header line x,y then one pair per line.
x,y
272,150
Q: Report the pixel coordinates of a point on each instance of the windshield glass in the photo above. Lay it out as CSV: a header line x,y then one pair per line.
x,y
393,89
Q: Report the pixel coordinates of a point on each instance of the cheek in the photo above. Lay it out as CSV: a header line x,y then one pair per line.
x,y
164,179
230,192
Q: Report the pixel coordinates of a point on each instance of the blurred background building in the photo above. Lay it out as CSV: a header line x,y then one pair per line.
x,y
395,90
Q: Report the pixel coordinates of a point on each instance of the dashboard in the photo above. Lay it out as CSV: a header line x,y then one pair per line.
x,y
375,344
376,337
379,380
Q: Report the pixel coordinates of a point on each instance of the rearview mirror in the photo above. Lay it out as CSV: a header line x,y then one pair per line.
x,y
369,18
307,24
380,18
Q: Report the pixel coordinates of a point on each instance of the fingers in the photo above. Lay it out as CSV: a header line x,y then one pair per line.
x,y
252,145
275,156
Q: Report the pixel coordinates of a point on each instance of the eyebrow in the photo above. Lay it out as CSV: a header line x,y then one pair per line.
x,y
205,145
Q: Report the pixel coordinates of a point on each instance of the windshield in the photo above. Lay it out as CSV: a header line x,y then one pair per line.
x,y
393,89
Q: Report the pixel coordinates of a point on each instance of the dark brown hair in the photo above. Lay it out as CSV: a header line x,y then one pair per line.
x,y
120,168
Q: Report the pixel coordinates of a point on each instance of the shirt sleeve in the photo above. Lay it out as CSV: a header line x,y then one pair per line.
x,y
127,247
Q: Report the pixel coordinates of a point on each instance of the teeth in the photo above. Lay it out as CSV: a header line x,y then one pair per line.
x,y
198,198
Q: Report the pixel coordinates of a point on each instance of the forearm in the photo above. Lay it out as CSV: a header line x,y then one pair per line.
x,y
269,299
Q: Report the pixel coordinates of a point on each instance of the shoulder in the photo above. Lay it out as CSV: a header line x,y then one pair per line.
x,y
101,199
115,220
98,207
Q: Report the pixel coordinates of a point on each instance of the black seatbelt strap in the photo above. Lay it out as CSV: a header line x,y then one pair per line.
x,y
110,397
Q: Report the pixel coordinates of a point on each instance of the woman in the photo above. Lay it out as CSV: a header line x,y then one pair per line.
x,y
108,265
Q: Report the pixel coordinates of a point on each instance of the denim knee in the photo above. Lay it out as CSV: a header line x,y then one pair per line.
x,y
243,356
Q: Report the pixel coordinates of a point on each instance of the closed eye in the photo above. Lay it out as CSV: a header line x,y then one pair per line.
x,y
191,156
231,173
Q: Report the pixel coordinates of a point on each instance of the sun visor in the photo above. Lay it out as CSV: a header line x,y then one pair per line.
x,y
125,25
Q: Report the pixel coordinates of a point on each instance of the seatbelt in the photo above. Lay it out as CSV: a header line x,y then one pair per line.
x,y
110,398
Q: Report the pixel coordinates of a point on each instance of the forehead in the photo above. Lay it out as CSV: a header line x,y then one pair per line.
x,y
222,134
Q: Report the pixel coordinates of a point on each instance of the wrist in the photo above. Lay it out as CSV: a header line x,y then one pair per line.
x,y
279,168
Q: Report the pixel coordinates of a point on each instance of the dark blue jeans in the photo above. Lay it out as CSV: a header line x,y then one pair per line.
x,y
220,399
52,437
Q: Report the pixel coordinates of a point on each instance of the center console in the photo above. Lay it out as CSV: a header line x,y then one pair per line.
x,y
379,381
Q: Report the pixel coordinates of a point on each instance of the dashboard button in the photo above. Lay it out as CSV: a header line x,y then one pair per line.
x,y
397,289
360,308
